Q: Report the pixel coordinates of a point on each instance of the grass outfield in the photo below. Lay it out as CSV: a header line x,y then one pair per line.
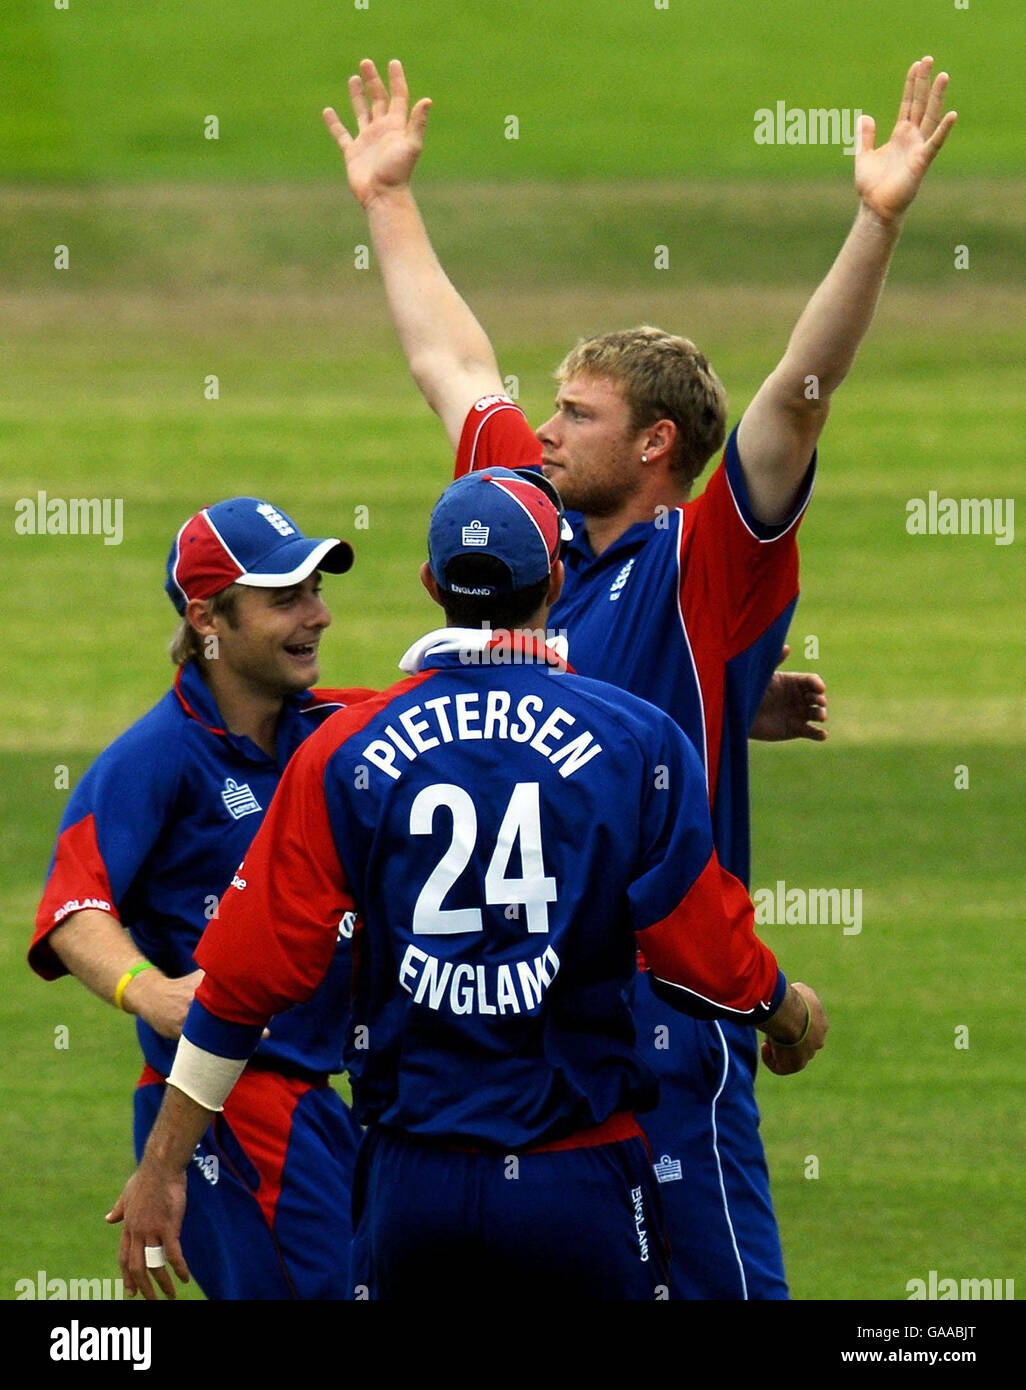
x,y
121,89
920,638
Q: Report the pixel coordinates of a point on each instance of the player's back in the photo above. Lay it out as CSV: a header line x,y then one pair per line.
x,y
491,818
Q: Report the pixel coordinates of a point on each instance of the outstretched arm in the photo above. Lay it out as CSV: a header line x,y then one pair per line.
x,y
446,348
779,430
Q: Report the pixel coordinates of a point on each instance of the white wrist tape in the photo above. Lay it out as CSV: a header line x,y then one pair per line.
x,y
203,1076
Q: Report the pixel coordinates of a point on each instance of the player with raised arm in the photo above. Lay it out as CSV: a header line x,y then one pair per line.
x,y
684,602
501,834
149,841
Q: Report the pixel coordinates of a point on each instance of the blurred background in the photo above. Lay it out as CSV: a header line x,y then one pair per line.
x,y
590,164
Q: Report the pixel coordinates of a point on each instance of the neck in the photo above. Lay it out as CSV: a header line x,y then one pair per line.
x,y
251,713
604,531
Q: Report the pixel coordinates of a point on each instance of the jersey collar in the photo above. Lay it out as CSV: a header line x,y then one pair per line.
x,y
467,646
197,700
580,551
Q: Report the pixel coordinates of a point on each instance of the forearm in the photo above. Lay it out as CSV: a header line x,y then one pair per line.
x,y
179,1126
447,350
98,951
828,333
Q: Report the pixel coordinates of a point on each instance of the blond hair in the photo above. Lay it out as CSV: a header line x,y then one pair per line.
x,y
187,643
661,376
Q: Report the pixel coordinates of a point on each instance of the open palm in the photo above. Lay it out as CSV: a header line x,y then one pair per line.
x,y
390,137
888,178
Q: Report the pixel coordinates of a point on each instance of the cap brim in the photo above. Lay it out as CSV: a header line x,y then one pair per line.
x,y
332,555
546,485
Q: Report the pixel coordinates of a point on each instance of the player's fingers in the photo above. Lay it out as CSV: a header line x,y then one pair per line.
x,y
117,1212
785,652
175,1258
935,105
400,102
342,138
419,119
906,96
921,91
375,88
938,137
358,99
866,139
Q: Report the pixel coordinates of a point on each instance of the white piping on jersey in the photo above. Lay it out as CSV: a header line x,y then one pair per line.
x,y
691,655
766,540
502,405
741,1014
719,1167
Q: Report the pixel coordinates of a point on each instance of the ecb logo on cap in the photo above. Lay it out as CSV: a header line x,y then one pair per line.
x,y
276,519
475,534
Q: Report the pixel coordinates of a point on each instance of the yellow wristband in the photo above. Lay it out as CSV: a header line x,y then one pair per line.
x,y
126,980
808,1024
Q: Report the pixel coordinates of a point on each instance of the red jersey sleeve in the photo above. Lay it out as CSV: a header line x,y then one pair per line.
x,y
496,435
750,568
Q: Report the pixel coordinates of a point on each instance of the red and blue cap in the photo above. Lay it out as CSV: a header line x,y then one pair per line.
x,y
512,515
246,541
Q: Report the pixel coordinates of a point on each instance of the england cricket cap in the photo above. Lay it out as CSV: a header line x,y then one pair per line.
x,y
514,516
246,541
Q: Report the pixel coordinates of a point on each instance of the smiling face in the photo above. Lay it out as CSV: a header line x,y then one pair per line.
x,y
589,448
270,649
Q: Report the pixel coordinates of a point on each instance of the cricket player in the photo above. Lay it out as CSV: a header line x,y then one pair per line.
x,y
496,836
150,838
683,602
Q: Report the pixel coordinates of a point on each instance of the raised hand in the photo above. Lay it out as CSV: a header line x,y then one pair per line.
x,y
888,178
389,136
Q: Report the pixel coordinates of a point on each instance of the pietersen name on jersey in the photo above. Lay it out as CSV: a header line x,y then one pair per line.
x,y
475,714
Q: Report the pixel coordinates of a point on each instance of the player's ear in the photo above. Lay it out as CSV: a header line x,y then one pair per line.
x,y
430,583
657,441
199,616
555,583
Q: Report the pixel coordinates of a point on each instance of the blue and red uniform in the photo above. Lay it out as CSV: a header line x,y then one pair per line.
x,y
690,612
497,836
152,835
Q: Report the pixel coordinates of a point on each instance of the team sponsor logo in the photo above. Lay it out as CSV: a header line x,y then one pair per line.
x,y
486,402
616,588
476,534
668,1169
239,801
208,1165
276,519
78,905
346,927
638,1200
83,1343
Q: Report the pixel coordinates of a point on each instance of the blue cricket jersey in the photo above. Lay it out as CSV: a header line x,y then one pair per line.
x,y
497,836
153,833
